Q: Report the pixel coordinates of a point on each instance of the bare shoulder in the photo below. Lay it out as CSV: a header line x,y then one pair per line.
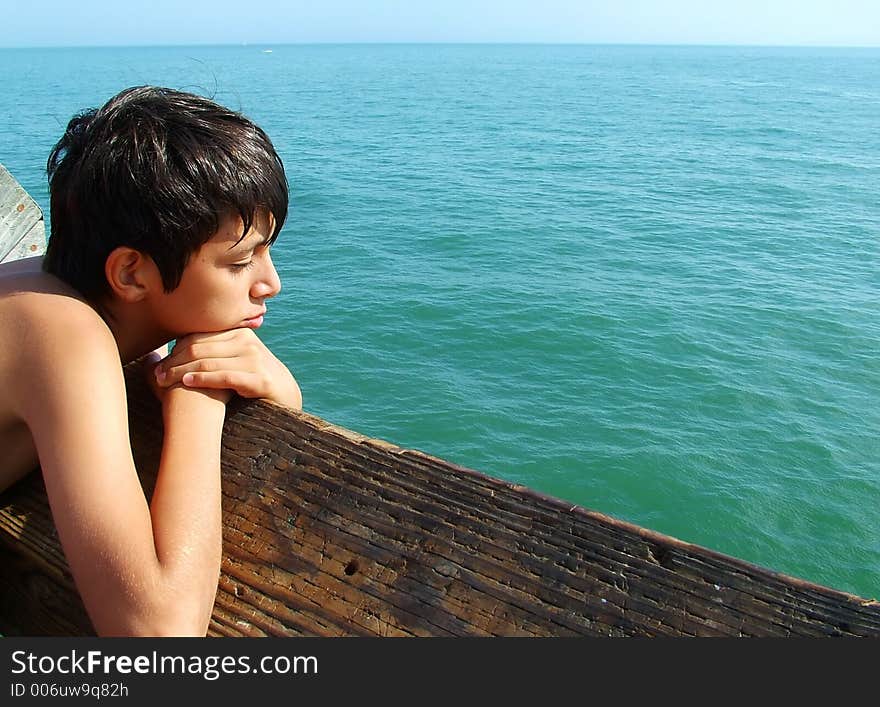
x,y
28,297
39,321
54,333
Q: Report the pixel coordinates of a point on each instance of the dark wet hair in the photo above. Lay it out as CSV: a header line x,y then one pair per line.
x,y
157,170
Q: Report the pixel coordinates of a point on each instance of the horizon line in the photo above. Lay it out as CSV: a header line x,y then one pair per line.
x,y
268,45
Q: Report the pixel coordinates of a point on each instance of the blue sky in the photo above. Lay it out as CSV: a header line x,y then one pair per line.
x,y
116,22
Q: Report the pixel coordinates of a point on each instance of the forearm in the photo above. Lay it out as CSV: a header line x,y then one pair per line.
x,y
185,508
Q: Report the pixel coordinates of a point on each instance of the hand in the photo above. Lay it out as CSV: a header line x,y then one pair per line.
x,y
150,365
229,360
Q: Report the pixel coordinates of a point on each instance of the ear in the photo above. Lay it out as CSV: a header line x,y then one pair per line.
x,y
130,273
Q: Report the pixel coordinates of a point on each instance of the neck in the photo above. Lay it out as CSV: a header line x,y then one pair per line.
x,y
134,331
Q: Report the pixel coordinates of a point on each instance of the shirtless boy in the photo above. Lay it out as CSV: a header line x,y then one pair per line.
x,y
164,206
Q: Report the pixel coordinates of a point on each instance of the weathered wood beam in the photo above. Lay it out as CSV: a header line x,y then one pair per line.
x,y
22,233
329,533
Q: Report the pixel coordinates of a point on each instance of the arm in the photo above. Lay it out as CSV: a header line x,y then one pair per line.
x,y
140,570
235,360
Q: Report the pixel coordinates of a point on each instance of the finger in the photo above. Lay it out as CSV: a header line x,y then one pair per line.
x,y
149,369
225,335
170,376
205,336
245,383
195,352
199,346
185,343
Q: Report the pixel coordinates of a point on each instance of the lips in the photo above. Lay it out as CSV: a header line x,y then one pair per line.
x,y
255,321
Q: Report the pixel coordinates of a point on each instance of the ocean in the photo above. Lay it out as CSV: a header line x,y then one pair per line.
x,y
643,279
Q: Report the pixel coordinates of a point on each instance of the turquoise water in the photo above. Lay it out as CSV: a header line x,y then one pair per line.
x,y
642,279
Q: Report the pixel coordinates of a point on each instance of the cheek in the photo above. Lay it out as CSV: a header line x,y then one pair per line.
x,y
222,301
199,305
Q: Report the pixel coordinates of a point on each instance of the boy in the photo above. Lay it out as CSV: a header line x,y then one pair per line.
x,y
163,209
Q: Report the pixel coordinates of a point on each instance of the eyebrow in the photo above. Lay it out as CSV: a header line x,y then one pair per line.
x,y
247,244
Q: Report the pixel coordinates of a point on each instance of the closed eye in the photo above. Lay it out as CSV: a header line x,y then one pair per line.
x,y
258,251
240,267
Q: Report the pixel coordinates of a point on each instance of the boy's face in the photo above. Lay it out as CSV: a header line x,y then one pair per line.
x,y
225,283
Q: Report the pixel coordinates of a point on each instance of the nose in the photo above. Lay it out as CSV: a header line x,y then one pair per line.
x,y
267,284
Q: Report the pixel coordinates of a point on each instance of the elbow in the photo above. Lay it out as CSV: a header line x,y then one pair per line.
x,y
178,620
166,629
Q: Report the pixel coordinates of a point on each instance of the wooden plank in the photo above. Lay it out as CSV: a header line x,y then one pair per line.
x,y
22,233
